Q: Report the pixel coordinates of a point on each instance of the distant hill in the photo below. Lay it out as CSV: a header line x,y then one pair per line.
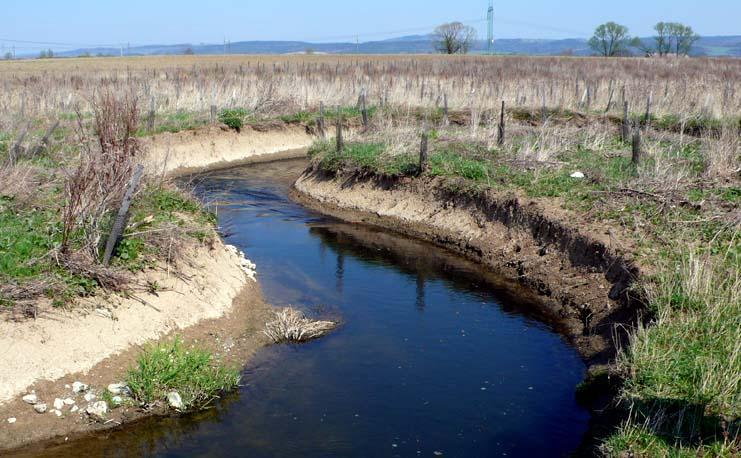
x,y
413,44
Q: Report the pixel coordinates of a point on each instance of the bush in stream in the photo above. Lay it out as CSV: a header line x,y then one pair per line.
x,y
194,373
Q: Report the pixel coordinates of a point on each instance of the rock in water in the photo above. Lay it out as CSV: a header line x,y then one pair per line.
x,y
30,399
58,404
97,410
40,408
79,387
175,401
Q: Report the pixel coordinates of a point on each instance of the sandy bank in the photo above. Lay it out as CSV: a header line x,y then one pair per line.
x,y
583,282
100,336
213,148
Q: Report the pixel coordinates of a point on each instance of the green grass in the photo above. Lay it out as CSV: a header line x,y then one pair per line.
x,y
173,123
330,113
233,117
194,373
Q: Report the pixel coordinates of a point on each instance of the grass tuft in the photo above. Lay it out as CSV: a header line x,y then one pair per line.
x,y
194,373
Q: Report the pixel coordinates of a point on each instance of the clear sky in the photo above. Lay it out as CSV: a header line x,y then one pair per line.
x,y
92,22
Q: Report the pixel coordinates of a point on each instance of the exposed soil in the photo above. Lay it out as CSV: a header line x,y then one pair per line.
x,y
214,148
582,274
235,337
208,298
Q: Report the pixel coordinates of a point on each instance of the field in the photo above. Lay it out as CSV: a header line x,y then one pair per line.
x,y
674,205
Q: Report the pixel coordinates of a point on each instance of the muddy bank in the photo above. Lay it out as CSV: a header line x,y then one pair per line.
x,y
582,276
214,148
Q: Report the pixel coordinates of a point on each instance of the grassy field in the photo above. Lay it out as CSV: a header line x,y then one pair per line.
x,y
679,205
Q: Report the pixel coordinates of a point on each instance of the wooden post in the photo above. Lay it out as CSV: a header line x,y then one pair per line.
x,y
340,141
500,133
44,143
123,215
446,121
423,150
626,122
648,108
636,157
213,114
150,118
544,109
609,97
363,110
320,121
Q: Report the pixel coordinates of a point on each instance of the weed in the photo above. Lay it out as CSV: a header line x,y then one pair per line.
x,y
233,117
194,373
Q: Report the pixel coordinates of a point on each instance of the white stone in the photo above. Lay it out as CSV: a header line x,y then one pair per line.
x,y
174,399
97,410
89,397
117,400
57,412
69,401
11,420
116,388
58,404
40,408
30,399
577,175
74,409
79,387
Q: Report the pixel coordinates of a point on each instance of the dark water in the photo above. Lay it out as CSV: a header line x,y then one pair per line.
x,y
433,359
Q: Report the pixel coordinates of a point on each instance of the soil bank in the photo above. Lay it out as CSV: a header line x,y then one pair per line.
x,y
581,274
208,297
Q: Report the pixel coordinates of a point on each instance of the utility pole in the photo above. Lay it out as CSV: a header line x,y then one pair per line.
x,y
490,35
357,44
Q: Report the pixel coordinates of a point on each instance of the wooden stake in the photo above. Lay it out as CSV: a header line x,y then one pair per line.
x,y
150,118
626,122
320,121
123,215
213,114
636,158
423,150
340,141
500,133
446,121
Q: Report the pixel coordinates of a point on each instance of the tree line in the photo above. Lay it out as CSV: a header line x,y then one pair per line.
x,y
609,39
612,39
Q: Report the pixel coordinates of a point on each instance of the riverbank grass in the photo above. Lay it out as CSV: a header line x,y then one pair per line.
x,y
194,373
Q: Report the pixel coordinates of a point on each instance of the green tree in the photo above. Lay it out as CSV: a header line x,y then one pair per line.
x,y
610,39
683,37
454,38
663,38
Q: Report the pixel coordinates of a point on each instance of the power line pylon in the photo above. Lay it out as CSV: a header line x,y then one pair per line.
x,y
490,36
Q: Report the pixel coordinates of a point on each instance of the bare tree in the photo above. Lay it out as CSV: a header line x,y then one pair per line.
x,y
610,39
454,38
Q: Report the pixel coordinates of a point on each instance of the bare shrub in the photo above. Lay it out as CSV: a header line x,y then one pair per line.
x,y
105,167
291,325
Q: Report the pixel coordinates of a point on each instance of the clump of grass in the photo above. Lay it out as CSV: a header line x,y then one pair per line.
x,y
233,117
291,325
193,372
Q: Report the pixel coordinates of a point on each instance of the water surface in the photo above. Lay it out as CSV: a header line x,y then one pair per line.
x,y
434,357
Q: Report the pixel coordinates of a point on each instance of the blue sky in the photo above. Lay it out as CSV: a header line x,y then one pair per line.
x,y
88,22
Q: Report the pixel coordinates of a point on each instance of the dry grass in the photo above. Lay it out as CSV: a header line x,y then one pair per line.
x,y
291,325
684,87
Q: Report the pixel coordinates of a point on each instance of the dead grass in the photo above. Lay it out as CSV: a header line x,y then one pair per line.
x,y
291,325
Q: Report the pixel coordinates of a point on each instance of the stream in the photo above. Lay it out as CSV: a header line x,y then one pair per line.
x,y
434,357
